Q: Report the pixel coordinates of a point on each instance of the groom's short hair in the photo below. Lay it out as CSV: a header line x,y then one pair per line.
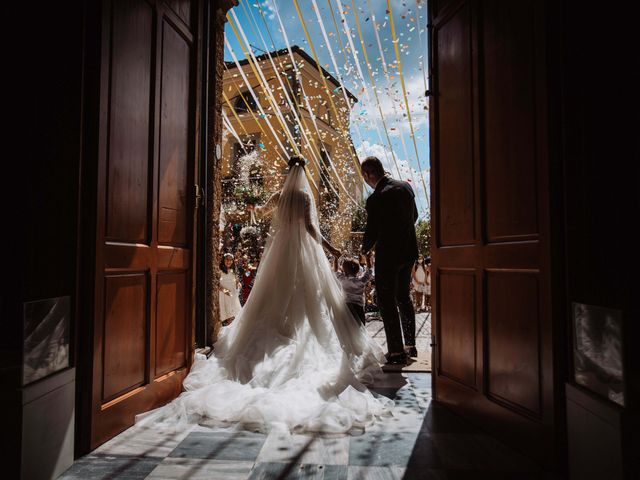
x,y
372,166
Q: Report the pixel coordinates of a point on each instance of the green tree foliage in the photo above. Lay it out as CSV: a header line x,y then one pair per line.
x,y
423,232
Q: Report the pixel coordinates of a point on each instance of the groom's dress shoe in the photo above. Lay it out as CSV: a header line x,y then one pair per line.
x,y
400,359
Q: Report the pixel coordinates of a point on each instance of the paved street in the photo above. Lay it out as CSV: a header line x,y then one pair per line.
x,y
423,335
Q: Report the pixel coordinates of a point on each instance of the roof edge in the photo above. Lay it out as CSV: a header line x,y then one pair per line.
x,y
303,54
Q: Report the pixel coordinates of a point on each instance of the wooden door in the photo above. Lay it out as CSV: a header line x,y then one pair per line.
x,y
145,216
491,244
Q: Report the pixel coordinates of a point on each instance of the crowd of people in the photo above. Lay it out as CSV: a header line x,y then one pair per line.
x,y
356,275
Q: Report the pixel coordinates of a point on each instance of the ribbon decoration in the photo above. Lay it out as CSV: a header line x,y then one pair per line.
x,y
404,92
373,84
293,105
354,53
342,129
262,130
255,97
386,74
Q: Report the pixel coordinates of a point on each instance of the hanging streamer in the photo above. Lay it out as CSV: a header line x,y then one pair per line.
x,y
373,85
342,129
257,100
386,74
229,127
304,95
296,122
253,63
265,87
404,92
354,53
262,130
275,69
255,97
293,105
335,65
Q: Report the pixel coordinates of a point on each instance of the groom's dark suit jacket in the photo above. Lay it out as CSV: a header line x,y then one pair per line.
x,y
391,217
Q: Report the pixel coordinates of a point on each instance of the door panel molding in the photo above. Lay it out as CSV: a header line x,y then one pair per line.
x,y
513,326
173,203
172,308
144,266
456,332
129,103
500,64
454,64
508,78
125,330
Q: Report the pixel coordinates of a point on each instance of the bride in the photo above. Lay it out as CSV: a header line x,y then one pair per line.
x,y
294,357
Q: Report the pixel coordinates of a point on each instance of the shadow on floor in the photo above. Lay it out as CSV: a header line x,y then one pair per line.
x,y
448,446
423,440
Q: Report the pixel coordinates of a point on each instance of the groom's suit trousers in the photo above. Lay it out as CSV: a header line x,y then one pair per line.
x,y
392,289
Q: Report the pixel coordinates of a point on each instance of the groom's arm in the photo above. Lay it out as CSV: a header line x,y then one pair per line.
x,y
372,228
412,197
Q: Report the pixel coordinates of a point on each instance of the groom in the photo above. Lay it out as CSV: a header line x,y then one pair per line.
x,y
391,215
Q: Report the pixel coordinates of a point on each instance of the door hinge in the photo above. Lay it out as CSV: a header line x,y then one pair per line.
x,y
199,196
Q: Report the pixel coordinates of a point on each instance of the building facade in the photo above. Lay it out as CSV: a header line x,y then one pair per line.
x,y
276,109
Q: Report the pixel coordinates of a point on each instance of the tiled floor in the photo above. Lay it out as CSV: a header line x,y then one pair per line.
x,y
423,342
423,332
421,441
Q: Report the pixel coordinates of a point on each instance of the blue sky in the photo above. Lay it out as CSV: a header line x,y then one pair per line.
x,y
367,129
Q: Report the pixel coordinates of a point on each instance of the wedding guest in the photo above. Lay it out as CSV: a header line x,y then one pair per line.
x,y
371,309
354,283
248,275
238,261
370,297
419,282
229,286
429,282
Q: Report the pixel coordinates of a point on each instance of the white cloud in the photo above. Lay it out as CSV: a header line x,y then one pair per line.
x,y
407,172
268,9
393,108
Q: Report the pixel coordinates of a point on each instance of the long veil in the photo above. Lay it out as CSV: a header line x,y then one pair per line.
x,y
295,355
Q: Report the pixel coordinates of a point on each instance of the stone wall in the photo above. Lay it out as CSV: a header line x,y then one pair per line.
x,y
214,148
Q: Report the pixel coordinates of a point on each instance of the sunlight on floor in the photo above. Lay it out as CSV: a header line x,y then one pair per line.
x,y
422,440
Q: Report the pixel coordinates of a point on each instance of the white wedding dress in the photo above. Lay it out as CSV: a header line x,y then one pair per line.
x,y
295,357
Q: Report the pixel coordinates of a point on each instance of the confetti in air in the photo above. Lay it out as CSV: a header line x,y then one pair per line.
x,y
333,81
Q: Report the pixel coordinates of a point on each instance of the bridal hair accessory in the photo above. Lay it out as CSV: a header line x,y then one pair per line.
x,y
297,161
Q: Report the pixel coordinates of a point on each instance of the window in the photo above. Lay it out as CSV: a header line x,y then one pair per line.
x,y
327,115
241,101
293,87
